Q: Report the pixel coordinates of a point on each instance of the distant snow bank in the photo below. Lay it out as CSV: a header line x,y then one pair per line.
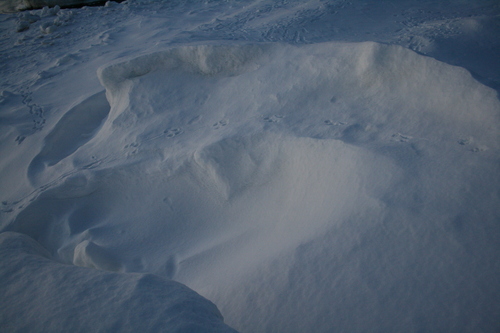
x,y
9,6
44,295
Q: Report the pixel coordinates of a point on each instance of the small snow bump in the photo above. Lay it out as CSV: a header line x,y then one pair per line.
x,y
22,26
46,11
47,27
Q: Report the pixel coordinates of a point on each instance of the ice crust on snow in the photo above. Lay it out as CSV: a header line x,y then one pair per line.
x,y
300,188
76,299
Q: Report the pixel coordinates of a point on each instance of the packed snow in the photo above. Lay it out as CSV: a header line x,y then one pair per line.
x,y
307,166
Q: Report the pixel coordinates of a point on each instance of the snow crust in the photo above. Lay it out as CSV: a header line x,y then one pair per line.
x,y
270,156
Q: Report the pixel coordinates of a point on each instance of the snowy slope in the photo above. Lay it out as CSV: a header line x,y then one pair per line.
x,y
295,162
73,299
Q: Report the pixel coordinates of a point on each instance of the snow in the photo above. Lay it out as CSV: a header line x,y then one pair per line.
x,y
87,300
9,6
305,165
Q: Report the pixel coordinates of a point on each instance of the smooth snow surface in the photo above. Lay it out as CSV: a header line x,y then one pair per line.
x,y
299,176
84,300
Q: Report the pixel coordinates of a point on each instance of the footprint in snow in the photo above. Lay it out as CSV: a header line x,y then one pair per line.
x,y
334,123
468,141
131,149
220,123
465,141
398,137
479,149
171,132
274,118
132,145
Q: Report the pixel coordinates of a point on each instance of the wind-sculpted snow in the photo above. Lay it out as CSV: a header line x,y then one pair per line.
x,y
47,296
301,188
73,130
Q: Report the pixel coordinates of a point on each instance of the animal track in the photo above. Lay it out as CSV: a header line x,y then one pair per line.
x,y
131,148
132,145
73,130
171,132
274,118
20,139
35,110
465,141
220,123
470,140
479,149
336,123
398,137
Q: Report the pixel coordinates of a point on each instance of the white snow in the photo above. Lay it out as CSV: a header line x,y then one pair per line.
x,y
296,163
69,298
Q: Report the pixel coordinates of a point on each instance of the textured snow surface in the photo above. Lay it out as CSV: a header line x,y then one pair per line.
x,y
7,6
276,158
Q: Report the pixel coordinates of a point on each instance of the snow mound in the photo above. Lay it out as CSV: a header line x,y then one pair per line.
x,y
297,187
44,295
387,85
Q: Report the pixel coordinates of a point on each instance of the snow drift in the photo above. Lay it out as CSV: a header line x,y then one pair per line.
x,y
307,188
85,300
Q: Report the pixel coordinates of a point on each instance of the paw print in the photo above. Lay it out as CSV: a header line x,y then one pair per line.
x,y
171,132
220,123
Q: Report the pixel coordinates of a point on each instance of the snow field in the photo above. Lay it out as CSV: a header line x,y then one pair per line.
x,y
245,155
333,186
